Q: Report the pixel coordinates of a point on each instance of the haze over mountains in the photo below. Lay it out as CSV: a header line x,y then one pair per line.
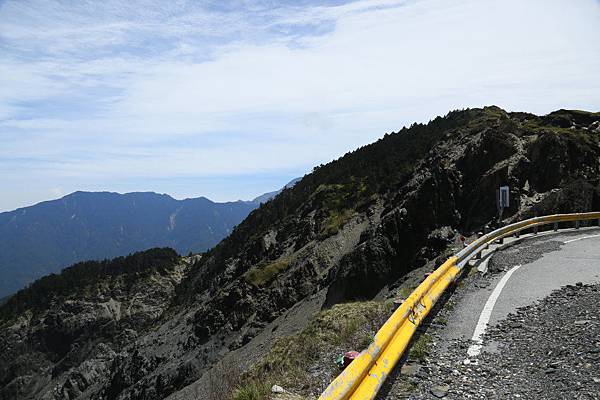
x,y
44,238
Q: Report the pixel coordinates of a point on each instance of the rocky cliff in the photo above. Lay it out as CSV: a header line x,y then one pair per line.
x,y
345,232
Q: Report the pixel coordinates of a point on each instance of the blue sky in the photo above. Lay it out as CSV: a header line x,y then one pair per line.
x,y
232,99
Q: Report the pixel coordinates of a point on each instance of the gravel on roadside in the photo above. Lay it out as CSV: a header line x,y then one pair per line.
x,y
549,350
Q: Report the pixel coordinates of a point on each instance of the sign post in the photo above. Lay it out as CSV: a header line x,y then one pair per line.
x,y
503,200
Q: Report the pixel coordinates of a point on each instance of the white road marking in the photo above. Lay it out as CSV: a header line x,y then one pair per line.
x,y
486,313
581,238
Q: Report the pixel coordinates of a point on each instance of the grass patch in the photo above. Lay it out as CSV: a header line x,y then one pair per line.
x,y
542,126
252,391
292,360
339,203
260,275
405,291
335,221
420,348
538,126
365,339
347,329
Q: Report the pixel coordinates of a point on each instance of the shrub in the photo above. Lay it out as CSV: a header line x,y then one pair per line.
x,y
421,347
333,331
261,275
253,391
335,221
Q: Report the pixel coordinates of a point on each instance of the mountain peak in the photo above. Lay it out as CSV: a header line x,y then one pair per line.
x,y
84,225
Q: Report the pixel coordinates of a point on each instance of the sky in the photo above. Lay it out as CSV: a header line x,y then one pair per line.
x,y
231,99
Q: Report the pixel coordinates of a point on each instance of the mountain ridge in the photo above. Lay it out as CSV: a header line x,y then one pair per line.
x,y
270,195
354,230
42,238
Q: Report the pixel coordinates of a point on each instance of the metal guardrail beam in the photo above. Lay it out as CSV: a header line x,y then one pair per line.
x,y
363,378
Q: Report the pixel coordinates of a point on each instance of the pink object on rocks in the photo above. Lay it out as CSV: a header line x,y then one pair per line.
x,y
349,356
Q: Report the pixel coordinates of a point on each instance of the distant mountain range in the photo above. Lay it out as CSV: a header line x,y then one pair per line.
x,y
273,301
44,238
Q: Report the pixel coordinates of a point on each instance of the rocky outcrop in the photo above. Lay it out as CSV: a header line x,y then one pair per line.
x,y
349,229
68,349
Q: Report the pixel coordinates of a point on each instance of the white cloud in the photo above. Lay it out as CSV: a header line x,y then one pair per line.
x,y
122,90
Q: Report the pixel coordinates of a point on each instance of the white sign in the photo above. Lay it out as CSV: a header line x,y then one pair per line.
x,y
503,197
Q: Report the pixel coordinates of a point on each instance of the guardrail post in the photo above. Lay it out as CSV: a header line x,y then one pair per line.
x,y
517,234
555,226
486,230
478,255
577,223
535,230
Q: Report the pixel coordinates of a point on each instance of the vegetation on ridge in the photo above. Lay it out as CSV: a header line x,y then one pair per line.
x,y
338,188
332,332
76,280
262,274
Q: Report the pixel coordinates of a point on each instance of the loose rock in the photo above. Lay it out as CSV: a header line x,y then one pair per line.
x,y
549,350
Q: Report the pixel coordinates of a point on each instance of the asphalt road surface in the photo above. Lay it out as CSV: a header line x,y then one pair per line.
x,y
529,327
546,263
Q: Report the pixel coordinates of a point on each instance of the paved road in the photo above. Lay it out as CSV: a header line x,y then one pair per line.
x,y
547,263
521,275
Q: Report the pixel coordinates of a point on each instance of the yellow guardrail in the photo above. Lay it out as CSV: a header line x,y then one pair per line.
x,y
363,378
